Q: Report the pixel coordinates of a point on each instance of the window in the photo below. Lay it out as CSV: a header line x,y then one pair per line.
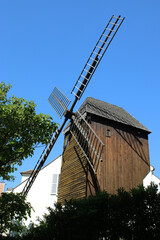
x,y
54,187
108,133
67,142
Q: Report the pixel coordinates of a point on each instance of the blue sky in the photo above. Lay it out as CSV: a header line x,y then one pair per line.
x,y
46,43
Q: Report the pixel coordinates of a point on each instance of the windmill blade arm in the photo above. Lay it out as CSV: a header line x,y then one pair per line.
x,y
42,160
96,55
86,78
87,139
90,163
60,103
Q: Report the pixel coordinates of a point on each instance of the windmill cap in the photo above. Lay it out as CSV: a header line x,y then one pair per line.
x,y
111,112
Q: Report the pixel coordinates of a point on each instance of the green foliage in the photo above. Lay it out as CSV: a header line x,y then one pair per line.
x,y
145,213
127,215
21,130
13,209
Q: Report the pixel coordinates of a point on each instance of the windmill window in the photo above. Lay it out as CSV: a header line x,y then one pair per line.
x,y
54,185
67,142
108,133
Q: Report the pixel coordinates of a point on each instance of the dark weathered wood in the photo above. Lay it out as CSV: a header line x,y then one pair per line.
x,y
126,155
125,161
72,183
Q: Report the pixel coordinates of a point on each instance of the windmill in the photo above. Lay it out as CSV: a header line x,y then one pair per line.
x,y
86,138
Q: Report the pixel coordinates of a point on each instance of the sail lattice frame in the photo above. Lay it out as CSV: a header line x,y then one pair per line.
x,y
92,154
59,101
87,139
96,55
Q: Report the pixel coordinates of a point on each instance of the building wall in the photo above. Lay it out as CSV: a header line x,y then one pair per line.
x,y
40,195
151,178
125,161
125,156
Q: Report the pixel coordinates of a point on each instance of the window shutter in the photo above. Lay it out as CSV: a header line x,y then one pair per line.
x,y
54,187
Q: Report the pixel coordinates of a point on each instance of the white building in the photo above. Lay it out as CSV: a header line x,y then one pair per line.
x,y
151,178
43,193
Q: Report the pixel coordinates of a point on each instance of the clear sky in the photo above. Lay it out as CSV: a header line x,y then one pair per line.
x,y
45,43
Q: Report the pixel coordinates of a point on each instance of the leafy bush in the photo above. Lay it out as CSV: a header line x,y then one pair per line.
x,y
127,215
13,209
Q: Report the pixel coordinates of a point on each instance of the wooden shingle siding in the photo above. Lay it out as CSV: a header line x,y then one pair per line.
x,y
72,183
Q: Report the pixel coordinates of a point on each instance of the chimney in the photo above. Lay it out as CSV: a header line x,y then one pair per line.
x,y
2,185
26,175
9,190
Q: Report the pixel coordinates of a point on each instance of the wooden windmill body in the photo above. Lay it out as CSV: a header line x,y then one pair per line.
x,y
104,148
125,154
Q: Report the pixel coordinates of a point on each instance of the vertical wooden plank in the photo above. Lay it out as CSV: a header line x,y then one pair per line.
x,y
122,165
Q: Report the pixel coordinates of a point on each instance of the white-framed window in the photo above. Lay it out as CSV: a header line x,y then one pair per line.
x,y
54,185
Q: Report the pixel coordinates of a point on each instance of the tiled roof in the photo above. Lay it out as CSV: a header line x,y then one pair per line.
x,y
111,112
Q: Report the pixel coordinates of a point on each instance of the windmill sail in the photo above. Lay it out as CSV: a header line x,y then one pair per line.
x,y
87,140
60,102
42,159
96,55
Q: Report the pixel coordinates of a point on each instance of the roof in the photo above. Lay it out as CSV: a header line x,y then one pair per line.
x,y
111,112
9,189
26,172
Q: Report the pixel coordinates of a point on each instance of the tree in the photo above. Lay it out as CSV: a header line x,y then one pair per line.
x,y
13,210
21,130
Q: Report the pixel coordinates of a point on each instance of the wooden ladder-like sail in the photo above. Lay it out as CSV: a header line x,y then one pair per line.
x,y
60,102
96,55
87,139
